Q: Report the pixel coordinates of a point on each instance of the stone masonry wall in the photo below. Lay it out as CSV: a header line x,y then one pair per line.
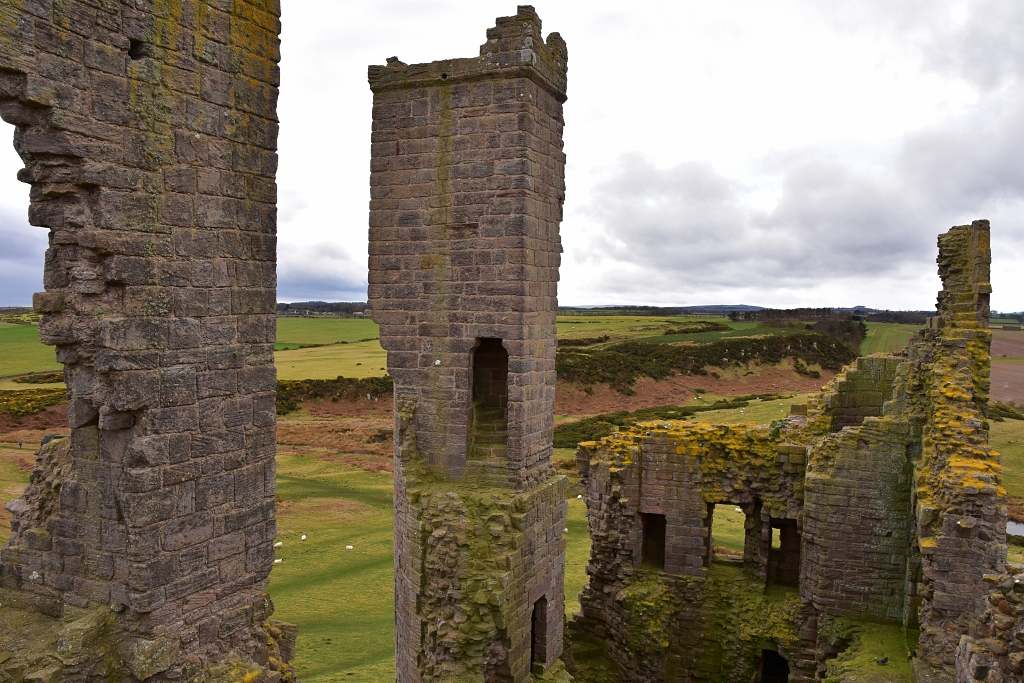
x,y
148,132
467,185
681,471
960,510
886,476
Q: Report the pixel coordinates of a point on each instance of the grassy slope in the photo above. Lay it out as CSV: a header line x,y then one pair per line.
x,y
887,338
343,600
13,480
22,352
365,359
1007,437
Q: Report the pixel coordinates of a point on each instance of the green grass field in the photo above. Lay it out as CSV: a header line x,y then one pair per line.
x,y
887,338
23,352
727,527
293,332
1007,437
759,412
343,600
358,360
14,464
620,328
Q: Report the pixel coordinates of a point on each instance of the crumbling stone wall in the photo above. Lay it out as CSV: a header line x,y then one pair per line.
x,y
467,184
682,471
148,132
886,477
857,503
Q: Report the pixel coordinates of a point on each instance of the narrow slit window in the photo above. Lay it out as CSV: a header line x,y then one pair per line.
x,y
784,553
539,633
490,400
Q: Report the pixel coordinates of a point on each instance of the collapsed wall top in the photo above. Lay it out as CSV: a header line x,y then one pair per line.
x,y
514,47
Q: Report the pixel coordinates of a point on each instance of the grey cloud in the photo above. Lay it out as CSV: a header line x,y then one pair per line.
x,y
319,272
986,48
21,259
689,228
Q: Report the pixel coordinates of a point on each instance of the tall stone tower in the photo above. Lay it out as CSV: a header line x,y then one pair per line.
x,y
467,185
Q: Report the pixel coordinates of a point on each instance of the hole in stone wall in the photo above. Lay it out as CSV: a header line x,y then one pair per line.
x,y
24,245
653,547
490,400
728,533
137,49
539,632
774,667
444,77
784,558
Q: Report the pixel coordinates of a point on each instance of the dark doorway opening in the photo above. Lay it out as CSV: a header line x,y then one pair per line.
x,y
490,400
774,667
539,633
784,553
653,548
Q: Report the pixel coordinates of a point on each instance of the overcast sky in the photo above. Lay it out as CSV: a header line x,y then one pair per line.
x,y
786,153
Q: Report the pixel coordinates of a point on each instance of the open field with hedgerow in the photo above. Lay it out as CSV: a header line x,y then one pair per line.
x,y
334,467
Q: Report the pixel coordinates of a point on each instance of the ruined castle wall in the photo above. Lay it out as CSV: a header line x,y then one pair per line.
x,y
857,523
148,133
681,471
960,512
858,392
467,185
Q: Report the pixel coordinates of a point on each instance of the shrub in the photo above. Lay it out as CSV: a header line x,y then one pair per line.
x,y
291,392
621,365
41,378
24,402
583,341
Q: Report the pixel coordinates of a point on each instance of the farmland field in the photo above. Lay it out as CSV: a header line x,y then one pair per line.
x,y
294,332
23,352
335,482
887,338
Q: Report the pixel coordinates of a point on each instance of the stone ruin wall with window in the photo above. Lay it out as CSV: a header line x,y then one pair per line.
x,y
142,547
882,489
467,185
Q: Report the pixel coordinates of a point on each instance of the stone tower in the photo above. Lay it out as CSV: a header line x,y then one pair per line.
x,y
148,131
467,185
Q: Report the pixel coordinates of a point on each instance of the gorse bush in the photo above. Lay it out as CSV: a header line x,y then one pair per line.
x,y
583,341
698,326
41,378
621,365
291,392
30,401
